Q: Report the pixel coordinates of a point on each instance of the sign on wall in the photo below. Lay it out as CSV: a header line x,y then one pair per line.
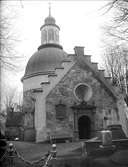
x,y
60,111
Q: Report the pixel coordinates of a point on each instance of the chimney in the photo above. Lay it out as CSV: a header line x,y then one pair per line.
x,y
79,50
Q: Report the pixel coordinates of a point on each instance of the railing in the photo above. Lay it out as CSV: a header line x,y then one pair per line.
x,y
11,154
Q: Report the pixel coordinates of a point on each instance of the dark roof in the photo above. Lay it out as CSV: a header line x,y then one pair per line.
x,y
47,58
49,20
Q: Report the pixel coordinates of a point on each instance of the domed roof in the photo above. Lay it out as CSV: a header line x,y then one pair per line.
x,y
49,20
45,60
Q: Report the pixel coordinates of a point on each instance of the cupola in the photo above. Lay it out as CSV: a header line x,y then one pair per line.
x,y
50,53
49,30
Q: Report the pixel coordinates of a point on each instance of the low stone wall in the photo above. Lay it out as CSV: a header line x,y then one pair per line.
x,y
93,145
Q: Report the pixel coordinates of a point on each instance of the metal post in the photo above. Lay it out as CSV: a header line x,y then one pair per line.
x,y
51,155
53,152
11,154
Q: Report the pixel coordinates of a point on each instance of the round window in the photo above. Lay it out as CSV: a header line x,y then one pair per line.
x,y
83,92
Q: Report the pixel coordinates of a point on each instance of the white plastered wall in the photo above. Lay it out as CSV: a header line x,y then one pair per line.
x,y
34,82
40,114
40,117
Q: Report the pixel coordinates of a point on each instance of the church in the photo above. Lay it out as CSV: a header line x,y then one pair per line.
x,y
65,95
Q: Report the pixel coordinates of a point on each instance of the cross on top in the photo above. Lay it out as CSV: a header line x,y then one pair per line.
x,y
49,8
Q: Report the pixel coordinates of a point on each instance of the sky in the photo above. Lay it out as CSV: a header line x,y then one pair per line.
x,y
80,24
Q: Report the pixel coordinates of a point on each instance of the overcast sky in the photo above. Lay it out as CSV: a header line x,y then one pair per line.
x,y
80,24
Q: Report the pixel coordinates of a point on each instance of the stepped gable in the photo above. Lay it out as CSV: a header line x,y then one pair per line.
x,y
84,63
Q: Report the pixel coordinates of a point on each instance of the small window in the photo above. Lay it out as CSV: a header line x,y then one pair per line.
x,y
44,36
51,34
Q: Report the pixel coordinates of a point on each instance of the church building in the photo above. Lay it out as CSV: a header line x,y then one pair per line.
x,y
65,95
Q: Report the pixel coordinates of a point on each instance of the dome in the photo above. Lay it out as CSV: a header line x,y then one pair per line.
x,y
45,60
49,20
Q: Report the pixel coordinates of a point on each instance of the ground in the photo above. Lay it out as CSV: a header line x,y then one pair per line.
x,y
26,149
69,154
31,152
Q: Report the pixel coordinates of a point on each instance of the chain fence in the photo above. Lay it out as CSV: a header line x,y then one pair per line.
x,y
12,158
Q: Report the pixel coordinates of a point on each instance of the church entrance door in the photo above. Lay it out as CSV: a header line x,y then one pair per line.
x,y
84,127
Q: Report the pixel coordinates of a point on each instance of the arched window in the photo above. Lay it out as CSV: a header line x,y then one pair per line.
x,y
56,36
50,35
44,36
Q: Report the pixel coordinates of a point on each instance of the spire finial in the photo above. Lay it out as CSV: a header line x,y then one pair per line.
x,y
49,9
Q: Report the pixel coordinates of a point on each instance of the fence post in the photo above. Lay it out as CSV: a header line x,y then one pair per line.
x,y
53,152
11,154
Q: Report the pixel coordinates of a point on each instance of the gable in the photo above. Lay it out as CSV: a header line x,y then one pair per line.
x,y
83,61
76,75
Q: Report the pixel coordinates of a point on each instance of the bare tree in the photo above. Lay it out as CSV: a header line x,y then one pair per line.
x,y
115,43
8,107
9,59
118,27
116,64
115,59
8,38
9,99
12,102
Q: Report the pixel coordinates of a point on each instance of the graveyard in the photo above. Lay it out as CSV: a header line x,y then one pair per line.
x,y
73,110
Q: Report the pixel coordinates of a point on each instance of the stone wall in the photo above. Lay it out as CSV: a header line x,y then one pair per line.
x,y
64,91
14,132
123,114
